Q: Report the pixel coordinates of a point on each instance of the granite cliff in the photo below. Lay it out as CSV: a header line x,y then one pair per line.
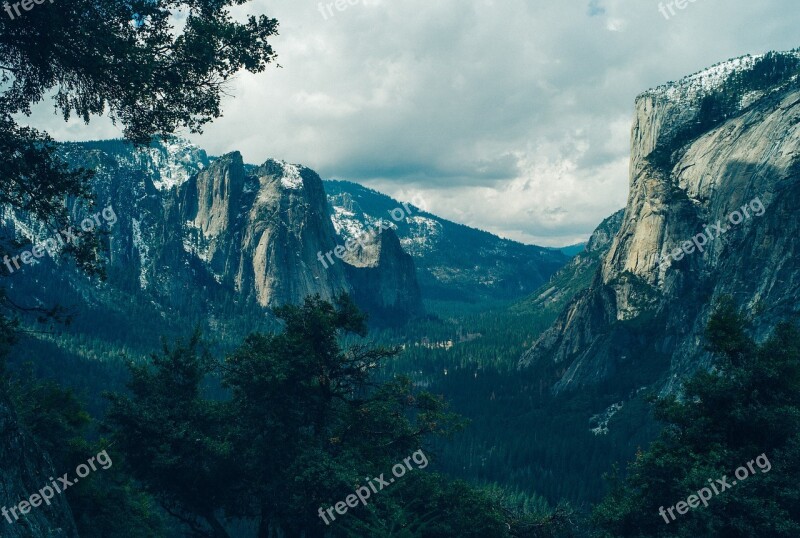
x,y
224,228
702,149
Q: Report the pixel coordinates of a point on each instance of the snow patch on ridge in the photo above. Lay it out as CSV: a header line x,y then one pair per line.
x,y
175,159
423,234
710,79
706,80
291,178
418,235
345,223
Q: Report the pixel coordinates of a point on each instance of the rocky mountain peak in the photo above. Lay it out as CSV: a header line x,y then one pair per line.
x,y
212,196
176,159
290,176
701,83
672,115
381,264
250,234
712,182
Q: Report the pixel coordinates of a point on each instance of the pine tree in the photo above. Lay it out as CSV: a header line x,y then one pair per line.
x,y
747,406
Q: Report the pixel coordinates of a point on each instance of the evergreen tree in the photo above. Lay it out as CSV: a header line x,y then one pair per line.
x,y
106,505
747,406
311,421
130,60
305,424
174,438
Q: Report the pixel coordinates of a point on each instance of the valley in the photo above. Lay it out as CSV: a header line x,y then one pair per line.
x,y
550,359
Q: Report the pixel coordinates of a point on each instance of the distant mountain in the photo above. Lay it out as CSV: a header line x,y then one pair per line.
x,y
192,232
573,250
575,277
712,212
215,242
455,263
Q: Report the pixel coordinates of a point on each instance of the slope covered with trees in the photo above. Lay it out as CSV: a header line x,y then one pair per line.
x,y
743,414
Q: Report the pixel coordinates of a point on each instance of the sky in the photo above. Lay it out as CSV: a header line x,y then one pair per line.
x,y
510,116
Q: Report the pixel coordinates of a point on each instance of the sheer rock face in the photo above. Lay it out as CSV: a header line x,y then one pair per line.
x,y
384,278
192,229
574,278
644,316
25,471
260,231
604,234
454,263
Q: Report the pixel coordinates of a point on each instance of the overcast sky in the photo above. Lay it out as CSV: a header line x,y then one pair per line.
x,y
511,116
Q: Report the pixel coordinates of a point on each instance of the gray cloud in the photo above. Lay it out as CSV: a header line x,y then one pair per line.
x,y
512,116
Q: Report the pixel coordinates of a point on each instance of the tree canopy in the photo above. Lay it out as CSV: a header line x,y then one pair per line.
x,y
747,406
152,66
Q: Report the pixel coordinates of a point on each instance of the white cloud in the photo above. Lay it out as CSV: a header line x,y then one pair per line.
x,y
511,116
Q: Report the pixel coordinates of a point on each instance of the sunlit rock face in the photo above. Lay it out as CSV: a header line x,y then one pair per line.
x,y
717,149
259,230
218,229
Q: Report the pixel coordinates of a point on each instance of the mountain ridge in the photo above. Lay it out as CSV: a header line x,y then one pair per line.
x,y
692,163
456,263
